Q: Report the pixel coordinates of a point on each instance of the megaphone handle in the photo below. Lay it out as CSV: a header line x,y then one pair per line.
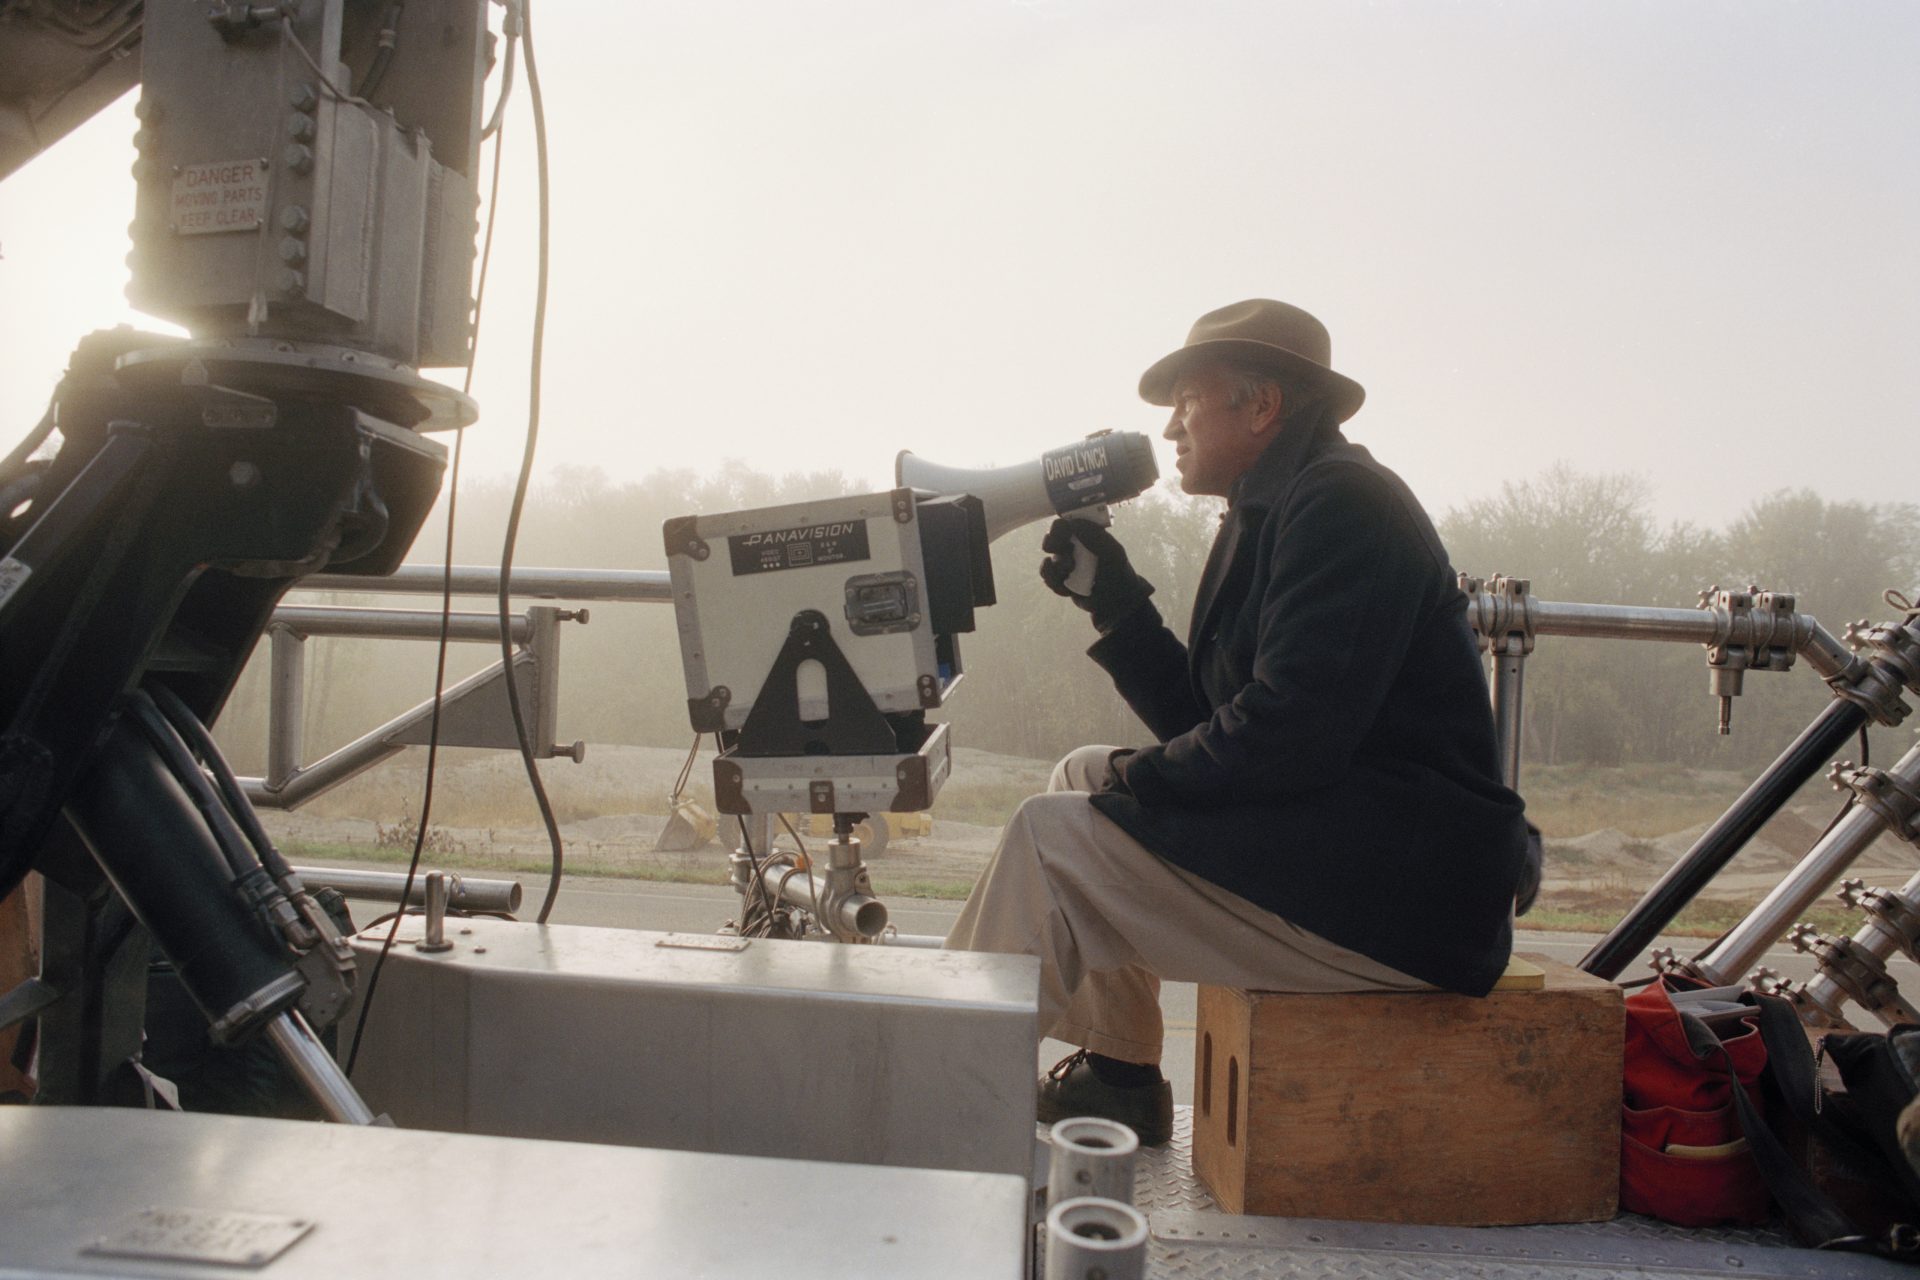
x,y
1085,563
1085,566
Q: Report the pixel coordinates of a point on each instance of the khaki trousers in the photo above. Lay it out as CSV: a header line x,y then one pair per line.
x,y
1108,920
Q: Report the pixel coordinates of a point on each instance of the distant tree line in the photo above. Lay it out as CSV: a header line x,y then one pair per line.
x,y
1030,691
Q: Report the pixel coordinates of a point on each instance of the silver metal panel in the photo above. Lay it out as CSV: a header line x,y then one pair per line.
x,y
854,1053
392,1203
733,626
271,206
862,784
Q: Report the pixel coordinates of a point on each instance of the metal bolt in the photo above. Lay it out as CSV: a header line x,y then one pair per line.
x,y
142,139
149,110
300,127
243,474
294,218
304,97
436,918
292,281
293,250
298,158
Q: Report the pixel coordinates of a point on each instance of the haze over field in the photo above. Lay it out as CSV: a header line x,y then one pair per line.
x,y
1675,240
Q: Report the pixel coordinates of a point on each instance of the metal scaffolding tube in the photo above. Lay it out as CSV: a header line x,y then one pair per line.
x,y
396,624
316,1070
286,705
1733,956
463,893
640,586
1823,652
1509,689
1730,831
359,755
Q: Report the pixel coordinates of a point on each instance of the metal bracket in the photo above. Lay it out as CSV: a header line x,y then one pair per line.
x,y
1856,971
1500,607
1889,909
1892,650
1894,800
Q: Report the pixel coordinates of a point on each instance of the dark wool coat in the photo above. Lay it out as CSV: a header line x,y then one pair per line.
x,y
1326,746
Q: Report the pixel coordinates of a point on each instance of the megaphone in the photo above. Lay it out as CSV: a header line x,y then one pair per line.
x,y
1077,479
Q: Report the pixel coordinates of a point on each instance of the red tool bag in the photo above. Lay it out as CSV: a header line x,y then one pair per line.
x,y
1684,1154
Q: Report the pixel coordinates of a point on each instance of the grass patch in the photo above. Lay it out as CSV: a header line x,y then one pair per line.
x,y
1598,910
938,890
984,805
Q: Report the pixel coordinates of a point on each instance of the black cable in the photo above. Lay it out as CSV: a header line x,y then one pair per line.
x,y
446,619
167,743
1846,805
189,727
386,43
526,474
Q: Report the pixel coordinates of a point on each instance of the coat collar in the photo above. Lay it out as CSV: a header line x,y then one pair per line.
x,y
1260,487
1274,470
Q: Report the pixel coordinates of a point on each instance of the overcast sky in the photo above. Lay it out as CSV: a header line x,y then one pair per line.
x,y
1677,239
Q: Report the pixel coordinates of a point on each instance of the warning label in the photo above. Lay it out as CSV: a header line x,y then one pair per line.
x,y
835,542
228,195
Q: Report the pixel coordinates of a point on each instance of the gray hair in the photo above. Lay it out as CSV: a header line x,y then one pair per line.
x,y
1297,397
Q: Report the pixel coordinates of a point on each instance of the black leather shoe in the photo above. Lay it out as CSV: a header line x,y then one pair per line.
x,y
1072,1089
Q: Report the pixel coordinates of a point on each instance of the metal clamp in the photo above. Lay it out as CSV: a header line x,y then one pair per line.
x,y
1856,971
1892,666
1753,630
1500,607
1888,909
1892,799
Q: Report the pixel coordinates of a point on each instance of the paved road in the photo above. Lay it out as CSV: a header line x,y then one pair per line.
x,y
644,904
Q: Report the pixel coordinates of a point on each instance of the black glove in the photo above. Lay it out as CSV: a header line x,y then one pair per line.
x,y
1116,591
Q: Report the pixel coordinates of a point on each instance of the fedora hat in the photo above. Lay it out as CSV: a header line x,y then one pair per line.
x,y
1262,332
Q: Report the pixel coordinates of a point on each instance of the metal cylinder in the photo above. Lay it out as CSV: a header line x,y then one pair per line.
x,y
435,938
463,894
286,705
316,1070
1729,959
1091,1157
858,913
1509,676
396,624
1091,1239
1729,832
484,580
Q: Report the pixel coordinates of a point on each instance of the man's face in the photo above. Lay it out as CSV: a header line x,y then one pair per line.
x,y
1215,440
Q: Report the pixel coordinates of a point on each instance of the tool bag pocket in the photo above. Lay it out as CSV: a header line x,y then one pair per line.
x,y
1684,1157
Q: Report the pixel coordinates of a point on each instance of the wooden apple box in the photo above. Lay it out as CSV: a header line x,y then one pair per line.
x,y
1423,1107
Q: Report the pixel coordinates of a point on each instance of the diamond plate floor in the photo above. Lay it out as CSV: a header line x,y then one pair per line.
x,y
1192,1238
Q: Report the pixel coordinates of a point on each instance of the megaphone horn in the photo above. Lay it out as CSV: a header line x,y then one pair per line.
x,y
1109,466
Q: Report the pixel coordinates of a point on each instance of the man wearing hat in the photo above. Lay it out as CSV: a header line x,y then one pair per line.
x,y
1322,810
